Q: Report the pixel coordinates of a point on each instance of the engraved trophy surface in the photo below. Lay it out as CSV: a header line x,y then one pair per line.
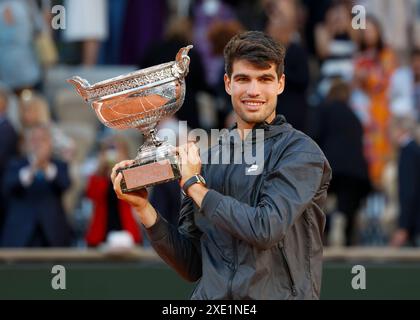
x,y
139,100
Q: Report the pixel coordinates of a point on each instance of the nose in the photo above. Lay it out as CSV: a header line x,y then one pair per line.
x,y
253,89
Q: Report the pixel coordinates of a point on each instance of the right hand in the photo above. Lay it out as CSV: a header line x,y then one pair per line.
x,y
137,199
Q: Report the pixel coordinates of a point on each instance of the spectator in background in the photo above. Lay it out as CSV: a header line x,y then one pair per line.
x,y
405,88
19,65
143,25
179,34
34,186
339,133
109,213
374,66
110,52
408,232
87,22
335,46
219,34
252,14
206,12
34,111
282,26
8,147
314,14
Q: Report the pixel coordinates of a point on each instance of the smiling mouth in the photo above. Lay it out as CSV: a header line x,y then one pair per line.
x,y
252,105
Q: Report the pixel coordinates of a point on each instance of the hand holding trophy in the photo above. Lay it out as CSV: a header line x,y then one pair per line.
x,y
140,100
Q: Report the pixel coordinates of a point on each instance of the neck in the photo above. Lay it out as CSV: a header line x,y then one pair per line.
x,y
243,125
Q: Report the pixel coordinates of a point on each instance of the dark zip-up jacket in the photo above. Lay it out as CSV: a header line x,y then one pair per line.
x,y
256,236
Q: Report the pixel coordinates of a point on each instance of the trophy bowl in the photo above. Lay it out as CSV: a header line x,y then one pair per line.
x,y
140,100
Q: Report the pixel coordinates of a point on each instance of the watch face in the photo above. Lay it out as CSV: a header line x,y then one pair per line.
x,y
200,177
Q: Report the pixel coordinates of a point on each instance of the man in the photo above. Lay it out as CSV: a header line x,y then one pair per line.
x,y
34,187
408,229
404,92
248,236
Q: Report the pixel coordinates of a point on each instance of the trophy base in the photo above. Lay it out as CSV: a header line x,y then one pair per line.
x,y
139,176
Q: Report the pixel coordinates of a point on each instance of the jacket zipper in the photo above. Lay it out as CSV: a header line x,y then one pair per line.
x,y
234,247
289,273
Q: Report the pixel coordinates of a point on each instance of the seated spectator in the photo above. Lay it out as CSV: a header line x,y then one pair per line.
x,y
109,213
34,186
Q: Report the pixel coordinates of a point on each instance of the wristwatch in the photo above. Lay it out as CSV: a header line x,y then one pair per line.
x,y
197,178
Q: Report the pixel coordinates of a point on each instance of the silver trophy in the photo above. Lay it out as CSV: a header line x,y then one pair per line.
x,y
139,100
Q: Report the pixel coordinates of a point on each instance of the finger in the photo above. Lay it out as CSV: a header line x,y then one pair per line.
x,y
117,185
193,154
183,154
119,165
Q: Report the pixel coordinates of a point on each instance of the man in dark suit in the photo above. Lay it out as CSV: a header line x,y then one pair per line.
x,y
34,186
339,133
8,146
408,232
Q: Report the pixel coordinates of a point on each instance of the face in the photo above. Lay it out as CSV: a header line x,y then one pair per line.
x,y
253,92
40,142
371,34
31,115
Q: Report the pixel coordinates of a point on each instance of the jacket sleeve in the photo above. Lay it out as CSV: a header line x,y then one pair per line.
x,y
286,192
11,183
179,247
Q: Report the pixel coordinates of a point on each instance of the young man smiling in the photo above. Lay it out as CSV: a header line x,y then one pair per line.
x,y
247,236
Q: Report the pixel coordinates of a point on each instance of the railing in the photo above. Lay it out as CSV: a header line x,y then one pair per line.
x,y
373,254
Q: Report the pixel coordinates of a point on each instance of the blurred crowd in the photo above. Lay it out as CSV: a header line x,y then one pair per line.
x,y
352,84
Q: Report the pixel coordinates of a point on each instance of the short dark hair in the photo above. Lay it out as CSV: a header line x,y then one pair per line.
x,y
255,47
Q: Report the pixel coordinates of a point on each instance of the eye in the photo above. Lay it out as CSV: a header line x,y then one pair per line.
x,y
267,79
241,79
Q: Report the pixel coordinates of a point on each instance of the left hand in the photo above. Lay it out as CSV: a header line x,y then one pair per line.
x,y
190,161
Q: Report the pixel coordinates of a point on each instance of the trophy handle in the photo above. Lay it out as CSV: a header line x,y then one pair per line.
x,y
183,61
81,85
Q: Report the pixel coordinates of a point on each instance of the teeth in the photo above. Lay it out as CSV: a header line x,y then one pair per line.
x,y
253,103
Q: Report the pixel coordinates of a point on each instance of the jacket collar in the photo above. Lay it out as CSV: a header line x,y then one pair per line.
x,y
275,127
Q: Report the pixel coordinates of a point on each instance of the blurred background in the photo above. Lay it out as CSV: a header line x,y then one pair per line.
x,y
352,84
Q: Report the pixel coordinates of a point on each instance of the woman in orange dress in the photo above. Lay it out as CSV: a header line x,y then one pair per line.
x,y
374,66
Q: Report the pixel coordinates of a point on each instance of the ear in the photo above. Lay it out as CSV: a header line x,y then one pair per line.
x,y
282,83
227,84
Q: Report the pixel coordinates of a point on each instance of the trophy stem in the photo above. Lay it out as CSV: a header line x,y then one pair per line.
x,y
154,138
151,140
149,146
